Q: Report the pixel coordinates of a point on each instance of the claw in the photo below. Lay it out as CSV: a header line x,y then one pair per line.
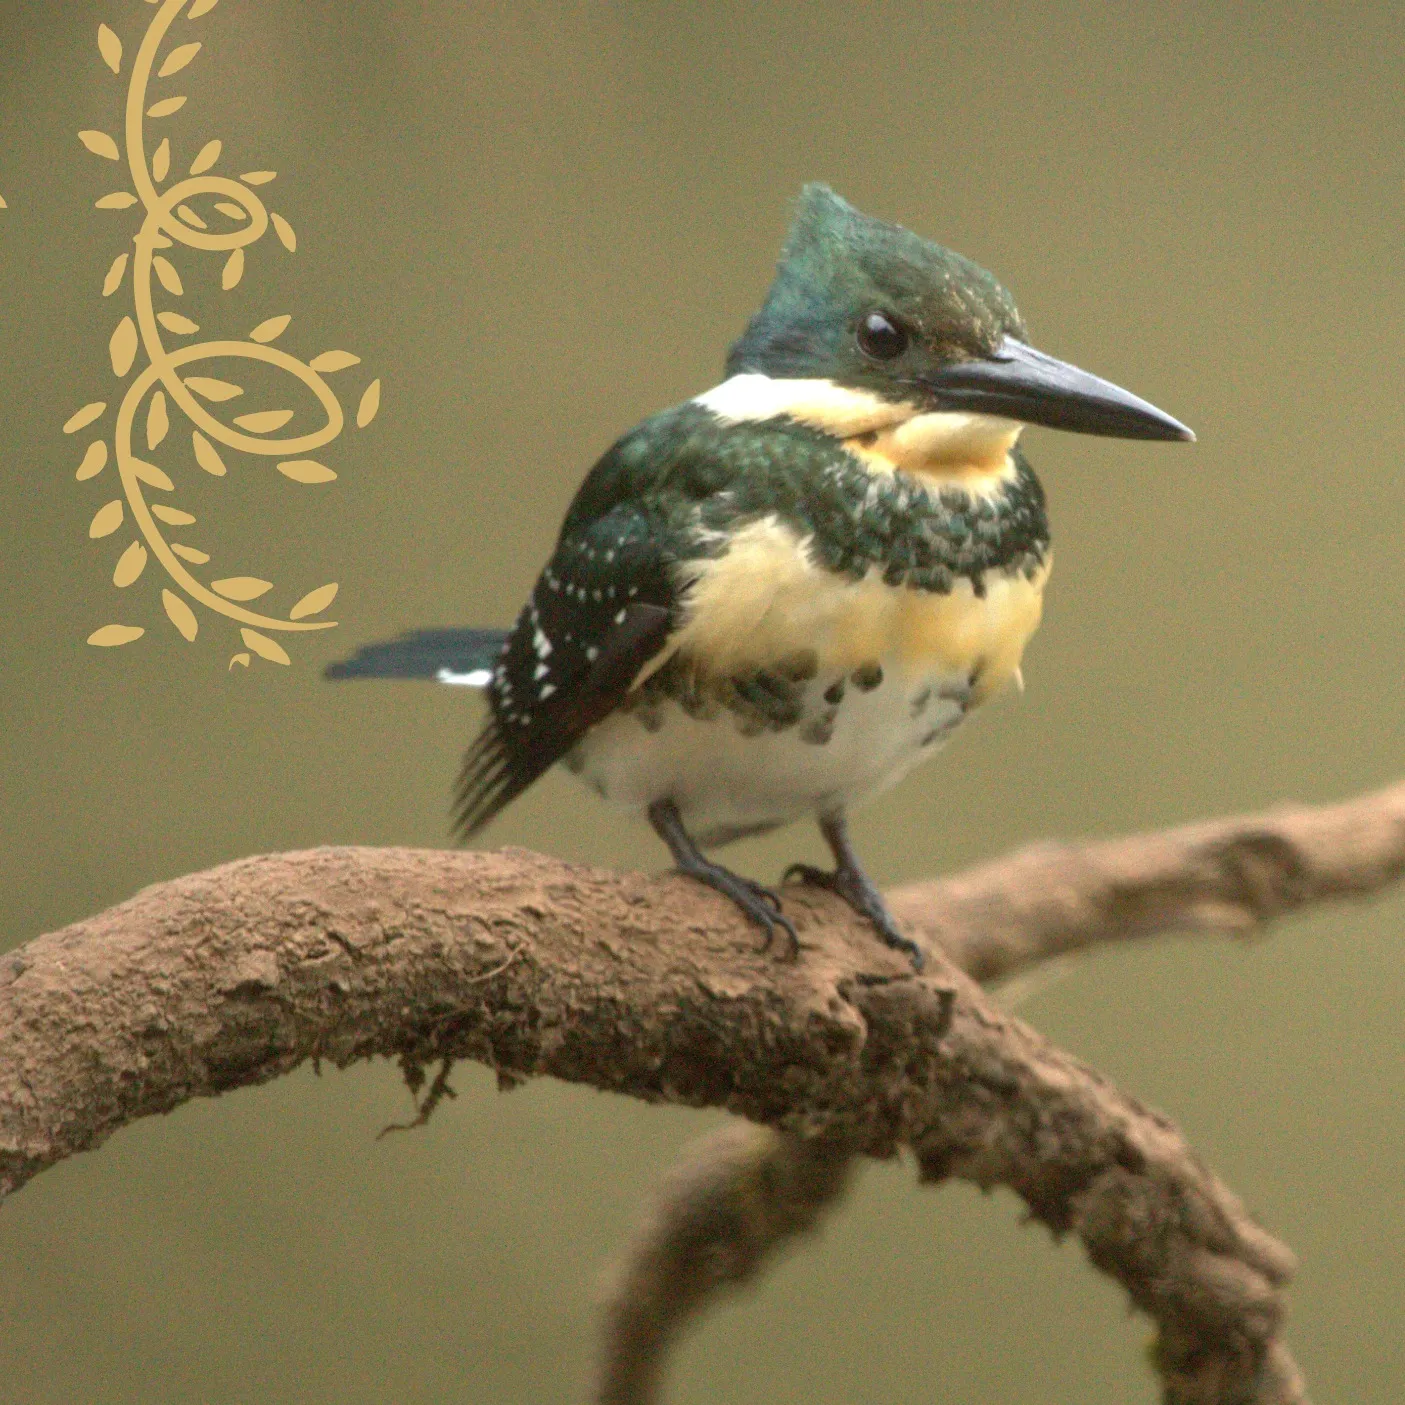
x,y
759,903
852,884
895,939
808,873
771,917
767,895
779,919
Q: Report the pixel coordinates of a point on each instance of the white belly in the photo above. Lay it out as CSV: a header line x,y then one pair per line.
x,y
731,776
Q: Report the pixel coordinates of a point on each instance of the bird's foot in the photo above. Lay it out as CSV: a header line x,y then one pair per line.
x,y
857,889
760,903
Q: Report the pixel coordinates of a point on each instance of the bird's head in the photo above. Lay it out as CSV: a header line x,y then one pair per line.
x,y
881,314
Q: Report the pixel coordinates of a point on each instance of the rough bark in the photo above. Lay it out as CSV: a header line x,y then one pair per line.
x,y
654,988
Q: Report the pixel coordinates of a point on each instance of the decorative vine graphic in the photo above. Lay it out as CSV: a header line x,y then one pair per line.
x,y
174,380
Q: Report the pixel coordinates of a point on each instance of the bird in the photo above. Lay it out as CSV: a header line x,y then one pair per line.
x,y
772,601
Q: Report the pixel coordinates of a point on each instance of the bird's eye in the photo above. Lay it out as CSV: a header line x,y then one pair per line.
x,y
881,336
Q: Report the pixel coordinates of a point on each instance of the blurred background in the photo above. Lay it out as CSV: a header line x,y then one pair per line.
x,y
536,224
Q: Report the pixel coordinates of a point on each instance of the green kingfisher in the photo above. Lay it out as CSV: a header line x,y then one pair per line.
x,y
777,598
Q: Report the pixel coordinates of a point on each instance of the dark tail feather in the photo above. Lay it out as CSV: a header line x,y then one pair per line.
x,y
490,780
424,653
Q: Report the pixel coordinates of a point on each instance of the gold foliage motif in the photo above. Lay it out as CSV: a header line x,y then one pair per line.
x,y
149,473
85,416
209,154
100,144
130,565
177,59
242,587
107,519
263,421
314,602
113,634
334,361
94,461
203,214
110,47
206,456
166,272
157,421
370,404
123,347
174,322
180,614
307,471
272,329
113,281
264,647
285,234
212,389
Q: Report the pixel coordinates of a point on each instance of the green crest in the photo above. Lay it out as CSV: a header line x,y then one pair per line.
x,y
839,264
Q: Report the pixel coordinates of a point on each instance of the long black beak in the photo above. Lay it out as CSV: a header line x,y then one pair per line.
x,y
1023,384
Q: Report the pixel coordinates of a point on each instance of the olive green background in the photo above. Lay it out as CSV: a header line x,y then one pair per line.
x,y
537,224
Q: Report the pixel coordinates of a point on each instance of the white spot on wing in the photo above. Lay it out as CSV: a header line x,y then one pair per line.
x,y
474,678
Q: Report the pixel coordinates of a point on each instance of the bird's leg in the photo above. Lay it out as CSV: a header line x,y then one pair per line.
x,y
761,904
854,885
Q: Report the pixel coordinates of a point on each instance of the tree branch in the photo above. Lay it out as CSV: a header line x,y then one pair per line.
x,y
737,1197
653,987
1224,876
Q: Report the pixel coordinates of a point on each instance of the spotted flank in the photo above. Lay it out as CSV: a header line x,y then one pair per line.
x,y
740,755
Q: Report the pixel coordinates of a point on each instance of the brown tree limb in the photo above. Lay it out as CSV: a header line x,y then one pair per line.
x,y
736,1198
652,987
1225,876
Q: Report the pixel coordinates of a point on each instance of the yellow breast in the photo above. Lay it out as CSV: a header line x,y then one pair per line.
x,y
764,599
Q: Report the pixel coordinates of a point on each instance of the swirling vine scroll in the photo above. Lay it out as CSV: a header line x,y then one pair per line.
x,y
240,219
